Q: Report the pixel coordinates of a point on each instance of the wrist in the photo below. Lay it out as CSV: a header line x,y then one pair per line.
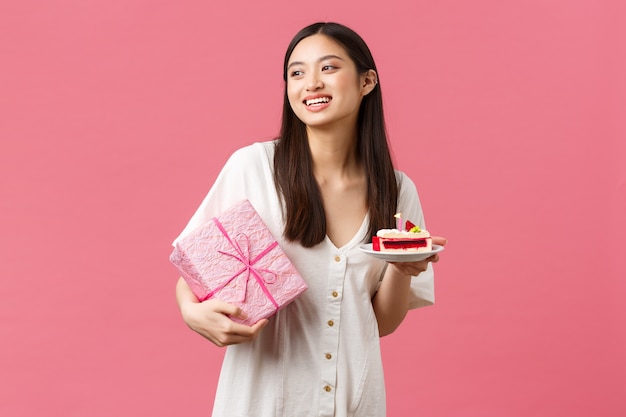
x,y
397,272
187,309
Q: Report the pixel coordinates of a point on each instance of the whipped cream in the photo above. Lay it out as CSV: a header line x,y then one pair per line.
x,y
404,234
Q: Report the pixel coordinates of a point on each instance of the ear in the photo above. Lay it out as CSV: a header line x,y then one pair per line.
x,y
369,80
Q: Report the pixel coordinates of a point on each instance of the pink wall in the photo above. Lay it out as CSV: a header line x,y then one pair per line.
x,y
116,115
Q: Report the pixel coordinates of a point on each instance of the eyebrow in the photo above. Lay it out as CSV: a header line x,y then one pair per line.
x,y
325,57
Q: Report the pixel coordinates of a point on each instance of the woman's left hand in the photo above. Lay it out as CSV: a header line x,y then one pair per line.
x,y
415,268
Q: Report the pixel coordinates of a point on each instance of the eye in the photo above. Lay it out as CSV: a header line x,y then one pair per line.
x,y
328,68
296,74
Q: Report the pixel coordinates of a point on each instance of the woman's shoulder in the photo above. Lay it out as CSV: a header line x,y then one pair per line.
x,y
253,154
407,190
409,199
405,183
254,150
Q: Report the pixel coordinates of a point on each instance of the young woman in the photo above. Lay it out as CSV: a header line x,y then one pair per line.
x,y
323,188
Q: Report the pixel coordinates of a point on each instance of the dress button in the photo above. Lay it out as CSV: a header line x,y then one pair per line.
x,y
329,356
335,294
331,323
337,258
327,388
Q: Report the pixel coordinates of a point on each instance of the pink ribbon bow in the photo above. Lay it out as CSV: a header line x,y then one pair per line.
x,y
243,256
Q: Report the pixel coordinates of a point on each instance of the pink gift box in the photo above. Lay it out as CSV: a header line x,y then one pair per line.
x,y
235,258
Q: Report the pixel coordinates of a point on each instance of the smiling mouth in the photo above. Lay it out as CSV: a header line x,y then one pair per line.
x,y
319,100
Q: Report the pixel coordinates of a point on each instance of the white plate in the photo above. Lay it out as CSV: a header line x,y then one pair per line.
x,y
400,256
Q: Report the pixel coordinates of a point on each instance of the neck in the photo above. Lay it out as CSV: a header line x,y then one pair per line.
x,y
334,152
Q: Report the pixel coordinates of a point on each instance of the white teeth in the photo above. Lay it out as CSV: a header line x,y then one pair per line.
x,y
317,101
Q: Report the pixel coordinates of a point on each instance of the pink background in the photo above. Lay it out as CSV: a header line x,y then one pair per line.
x,y
116,115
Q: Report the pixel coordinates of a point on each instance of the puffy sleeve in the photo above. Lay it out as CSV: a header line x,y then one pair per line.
x,y
422,285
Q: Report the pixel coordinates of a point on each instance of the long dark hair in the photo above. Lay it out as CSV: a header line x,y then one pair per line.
x,y
293,167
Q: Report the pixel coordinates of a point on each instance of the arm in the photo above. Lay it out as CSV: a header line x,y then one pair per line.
x,y
210,318
391,301
241,177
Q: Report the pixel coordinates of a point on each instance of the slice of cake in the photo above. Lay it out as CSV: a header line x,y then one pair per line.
x,y
412,239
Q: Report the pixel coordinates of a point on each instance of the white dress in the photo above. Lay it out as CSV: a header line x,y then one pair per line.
x,y
320,355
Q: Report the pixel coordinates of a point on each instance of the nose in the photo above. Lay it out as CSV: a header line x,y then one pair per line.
x,y
314,83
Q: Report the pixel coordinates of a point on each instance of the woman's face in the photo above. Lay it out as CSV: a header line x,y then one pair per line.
x,y
323,85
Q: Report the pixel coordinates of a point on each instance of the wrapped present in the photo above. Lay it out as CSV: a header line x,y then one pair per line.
x,y
235,258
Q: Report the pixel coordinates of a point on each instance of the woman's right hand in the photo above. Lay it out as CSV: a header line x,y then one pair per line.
x,y
211,319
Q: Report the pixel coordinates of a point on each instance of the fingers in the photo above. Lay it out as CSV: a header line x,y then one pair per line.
x,y
434,258
235,333
258,326
213,319
223,307
438,240
415,268
410,268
